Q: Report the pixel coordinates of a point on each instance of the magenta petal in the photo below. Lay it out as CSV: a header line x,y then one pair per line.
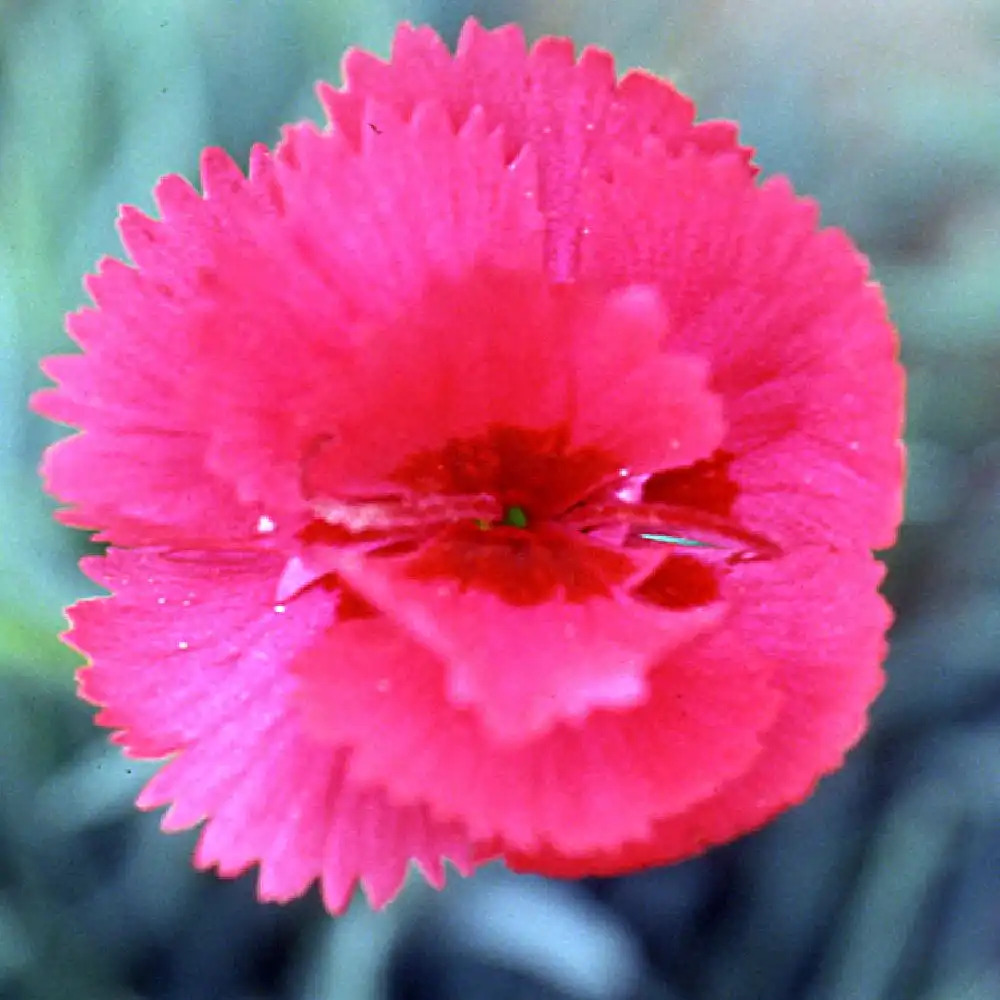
x,y
582,786
525,668
190,658
636,399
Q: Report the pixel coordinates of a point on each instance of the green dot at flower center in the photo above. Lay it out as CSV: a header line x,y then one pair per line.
x,y
515,517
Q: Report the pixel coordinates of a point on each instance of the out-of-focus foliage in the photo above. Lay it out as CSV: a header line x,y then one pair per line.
x,y
886,886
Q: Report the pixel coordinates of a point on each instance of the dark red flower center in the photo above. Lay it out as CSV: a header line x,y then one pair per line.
x,y
531,474
521,513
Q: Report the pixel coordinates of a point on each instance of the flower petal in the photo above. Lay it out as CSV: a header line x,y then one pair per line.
x,y
189,657
164,646
796,336
274,798
649,406
549,657
818,616
501,350
570,111
470,209
149,491
586,786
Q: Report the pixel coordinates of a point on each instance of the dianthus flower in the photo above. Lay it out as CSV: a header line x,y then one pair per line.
x,y
492,473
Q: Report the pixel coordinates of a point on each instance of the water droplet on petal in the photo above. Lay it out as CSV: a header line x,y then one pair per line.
x,y
692,543
265,524
161,600
182,645
279,609
629,490
633,523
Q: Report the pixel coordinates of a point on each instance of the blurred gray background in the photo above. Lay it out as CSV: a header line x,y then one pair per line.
x,y
886,885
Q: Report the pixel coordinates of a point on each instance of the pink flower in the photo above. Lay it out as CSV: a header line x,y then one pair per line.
x,y
493,473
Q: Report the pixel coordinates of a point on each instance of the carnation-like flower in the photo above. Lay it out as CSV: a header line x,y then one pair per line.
x,y
492,473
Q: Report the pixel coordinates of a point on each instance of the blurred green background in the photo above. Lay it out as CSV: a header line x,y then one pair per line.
x,y
886,885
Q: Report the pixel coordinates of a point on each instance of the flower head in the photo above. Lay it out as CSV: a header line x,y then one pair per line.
x,y
492,473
